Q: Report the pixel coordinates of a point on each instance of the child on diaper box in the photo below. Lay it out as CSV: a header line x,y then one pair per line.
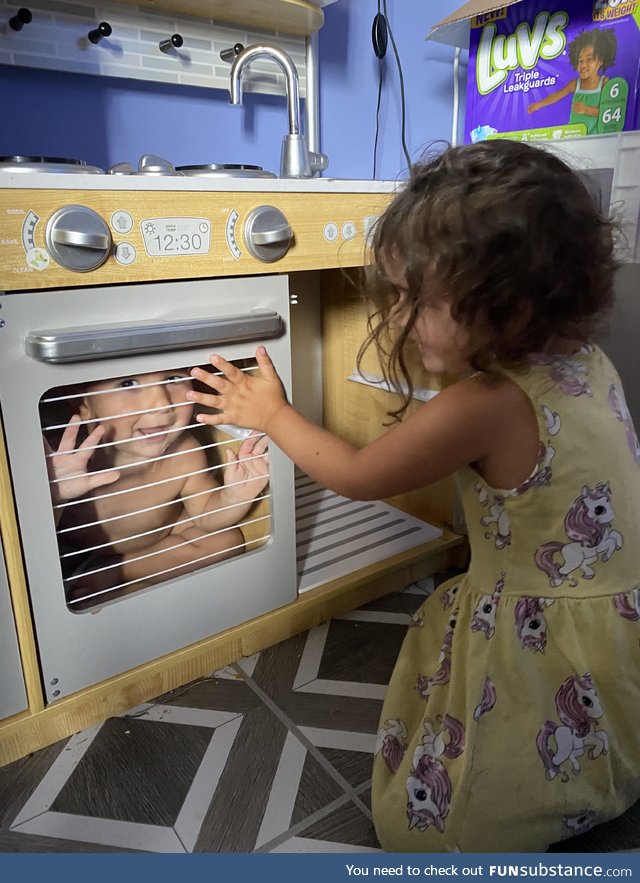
x,y
561,69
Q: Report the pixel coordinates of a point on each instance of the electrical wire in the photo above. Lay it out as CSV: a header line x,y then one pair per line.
x,y
401,78
380,79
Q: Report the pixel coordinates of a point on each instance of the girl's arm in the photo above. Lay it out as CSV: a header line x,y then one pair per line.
x,y
458,427
553,97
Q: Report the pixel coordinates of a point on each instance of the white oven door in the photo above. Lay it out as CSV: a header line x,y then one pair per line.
x,y
143,529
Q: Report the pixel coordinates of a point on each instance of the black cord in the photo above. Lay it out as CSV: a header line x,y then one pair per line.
x,y
375,143
401,78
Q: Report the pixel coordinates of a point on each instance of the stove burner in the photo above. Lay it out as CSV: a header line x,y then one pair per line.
x,y
225,170
149,164
47,164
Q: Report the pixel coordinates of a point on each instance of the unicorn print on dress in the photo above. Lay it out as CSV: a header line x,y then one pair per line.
x,y
531,625
448,598
542,472
484,615
442,675
569,375
579,823
588,527
579,709
429,785
391,743
495,501
628,604
483,493
618,405
551,420
488,700
497,515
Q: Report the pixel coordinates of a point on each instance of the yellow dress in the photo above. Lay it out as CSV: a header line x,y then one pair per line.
x,y
513,714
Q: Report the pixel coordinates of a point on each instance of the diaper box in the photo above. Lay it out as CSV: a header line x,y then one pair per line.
x,y
551,70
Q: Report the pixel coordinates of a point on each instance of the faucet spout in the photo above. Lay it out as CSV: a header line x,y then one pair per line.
x,y
295,159
285,62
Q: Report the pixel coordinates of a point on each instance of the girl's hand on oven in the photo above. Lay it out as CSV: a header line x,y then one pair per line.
x,y
68,466
240,398
247,474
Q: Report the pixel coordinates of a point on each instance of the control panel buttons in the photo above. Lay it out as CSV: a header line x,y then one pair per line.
x,y
121,222
125,253
348,230
330,231
368,226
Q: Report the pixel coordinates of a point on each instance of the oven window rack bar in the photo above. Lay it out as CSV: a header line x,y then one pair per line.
x,y
168,572
124,441
147,533
57,39
149,509
152,484
181,545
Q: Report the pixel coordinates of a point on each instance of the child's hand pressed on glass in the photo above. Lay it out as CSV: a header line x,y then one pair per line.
x,y
452,428
242,399
69,468
247,474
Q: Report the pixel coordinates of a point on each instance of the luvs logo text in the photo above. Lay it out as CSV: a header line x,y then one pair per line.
x,y
498,54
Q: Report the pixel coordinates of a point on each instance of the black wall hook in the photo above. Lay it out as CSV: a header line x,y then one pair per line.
x,y
230,54
175,41
104,29
20,19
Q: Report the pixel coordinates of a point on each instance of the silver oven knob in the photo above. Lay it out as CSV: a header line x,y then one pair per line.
x,y
267,233
78,238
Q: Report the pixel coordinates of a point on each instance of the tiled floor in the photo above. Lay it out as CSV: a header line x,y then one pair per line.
x,y
272,754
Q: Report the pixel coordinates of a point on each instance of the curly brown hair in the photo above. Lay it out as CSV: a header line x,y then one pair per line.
x,y
604,42
510,237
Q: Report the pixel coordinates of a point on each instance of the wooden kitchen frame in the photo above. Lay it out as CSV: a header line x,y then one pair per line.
x,y
357,412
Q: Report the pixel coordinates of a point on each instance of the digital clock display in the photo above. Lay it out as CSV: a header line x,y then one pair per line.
x,y
172,237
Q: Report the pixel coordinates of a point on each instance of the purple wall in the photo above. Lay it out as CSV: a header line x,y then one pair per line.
x,y
349,86
106,120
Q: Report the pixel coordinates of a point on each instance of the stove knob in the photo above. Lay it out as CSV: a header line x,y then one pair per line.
x,y
78,239
150,164
267,233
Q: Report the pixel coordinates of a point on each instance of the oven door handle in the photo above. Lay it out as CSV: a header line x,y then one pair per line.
x,y
109,341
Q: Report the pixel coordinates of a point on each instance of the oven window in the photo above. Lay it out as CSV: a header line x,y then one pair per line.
x,y
142,493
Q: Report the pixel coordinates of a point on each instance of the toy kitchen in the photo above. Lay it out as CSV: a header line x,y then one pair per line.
x,y
113,284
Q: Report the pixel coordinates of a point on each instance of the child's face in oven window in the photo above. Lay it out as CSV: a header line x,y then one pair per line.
x,y
151,409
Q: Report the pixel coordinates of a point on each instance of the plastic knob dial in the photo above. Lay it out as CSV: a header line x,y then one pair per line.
x,y
267,233
78,238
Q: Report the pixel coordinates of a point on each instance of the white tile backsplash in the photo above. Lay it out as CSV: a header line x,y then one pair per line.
x,y
56,39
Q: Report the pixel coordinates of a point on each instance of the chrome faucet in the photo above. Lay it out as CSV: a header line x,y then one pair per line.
x,y
296,160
